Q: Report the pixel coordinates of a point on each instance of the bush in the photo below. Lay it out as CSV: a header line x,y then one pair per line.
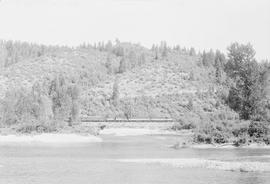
x,y
188,121
128,109
236,132
258,130
36,127
209,132
185,126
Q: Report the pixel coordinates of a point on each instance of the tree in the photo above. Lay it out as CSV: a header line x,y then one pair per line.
x,y
109,46
156,54
74,93
122,65
115,94
108,64
154,47
164,49
192,52
128,110
220,59
220,74
3,54
142,59
243,68
132,59
208,58
58,92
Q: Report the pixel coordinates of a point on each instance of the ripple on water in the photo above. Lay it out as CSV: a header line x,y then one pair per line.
x,y
207,164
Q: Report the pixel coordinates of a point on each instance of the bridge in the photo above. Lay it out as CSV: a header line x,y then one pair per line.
x,y
129,123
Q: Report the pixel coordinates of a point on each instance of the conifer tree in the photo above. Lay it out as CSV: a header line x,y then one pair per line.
x,y
115,94
122,65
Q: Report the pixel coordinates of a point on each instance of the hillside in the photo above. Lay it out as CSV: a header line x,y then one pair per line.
x,y
158,88
224,100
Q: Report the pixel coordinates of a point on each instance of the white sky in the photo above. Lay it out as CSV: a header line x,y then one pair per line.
x,y
203,24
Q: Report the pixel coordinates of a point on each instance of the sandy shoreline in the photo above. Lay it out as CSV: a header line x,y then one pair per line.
x,y
139,131
49,138
77,137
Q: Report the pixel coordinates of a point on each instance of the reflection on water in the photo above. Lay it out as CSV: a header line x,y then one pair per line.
x,y
96,163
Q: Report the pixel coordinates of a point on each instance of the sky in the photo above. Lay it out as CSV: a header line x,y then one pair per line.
x,y
202,24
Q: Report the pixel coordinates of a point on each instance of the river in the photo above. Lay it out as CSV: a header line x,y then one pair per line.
x,y
116,160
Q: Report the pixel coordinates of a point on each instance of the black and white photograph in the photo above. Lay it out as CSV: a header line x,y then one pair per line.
x,y
134,91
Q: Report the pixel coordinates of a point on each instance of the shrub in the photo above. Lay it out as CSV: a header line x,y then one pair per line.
x,y
180,125
128,109
258,130
237,132
36,127
209,132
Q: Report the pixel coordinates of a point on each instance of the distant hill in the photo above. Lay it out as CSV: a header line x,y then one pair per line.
x,y
151,87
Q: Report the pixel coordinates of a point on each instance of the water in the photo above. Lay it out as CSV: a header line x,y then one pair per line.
x,y
99,163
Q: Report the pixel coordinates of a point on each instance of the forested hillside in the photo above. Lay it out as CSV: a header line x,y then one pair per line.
x,y
50,84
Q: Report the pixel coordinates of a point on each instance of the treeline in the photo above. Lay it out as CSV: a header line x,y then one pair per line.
x,y
132,55
244,83
44,108
244,76
161,50
12,52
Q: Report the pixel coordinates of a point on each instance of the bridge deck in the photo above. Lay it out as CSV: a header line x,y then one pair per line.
x,y
134,123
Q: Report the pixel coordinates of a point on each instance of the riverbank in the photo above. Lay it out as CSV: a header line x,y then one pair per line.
x,y
74,134
49,138
81,134
78,134
142,131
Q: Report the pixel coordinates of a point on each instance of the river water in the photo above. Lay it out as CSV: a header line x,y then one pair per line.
x,y
116,160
